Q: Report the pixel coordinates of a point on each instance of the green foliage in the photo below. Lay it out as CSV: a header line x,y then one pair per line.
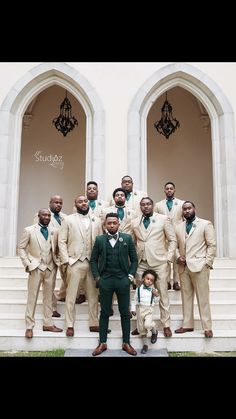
x,y
55,353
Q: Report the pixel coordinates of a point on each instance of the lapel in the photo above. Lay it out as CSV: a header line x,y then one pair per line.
x,y
51,237
175,205
40,238
80,225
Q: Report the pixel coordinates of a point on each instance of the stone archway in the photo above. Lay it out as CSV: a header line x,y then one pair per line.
x,y
11,114
223,140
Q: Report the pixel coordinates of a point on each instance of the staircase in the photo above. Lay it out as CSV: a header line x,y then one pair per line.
x,y
13,293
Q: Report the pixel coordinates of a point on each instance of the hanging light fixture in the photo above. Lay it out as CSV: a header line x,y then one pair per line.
x,y
65,122
167,124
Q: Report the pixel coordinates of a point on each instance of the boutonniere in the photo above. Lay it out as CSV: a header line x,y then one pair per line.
x,y
128,213
99,203
121,239
176,203
153,221
52,233
194,225
135,193
93,219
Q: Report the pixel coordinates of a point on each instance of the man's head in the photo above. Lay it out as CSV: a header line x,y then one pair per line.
x,y
146,206
188,208
112,222
119,196
55,203
44,216
92,190
127,183
169,189
82,205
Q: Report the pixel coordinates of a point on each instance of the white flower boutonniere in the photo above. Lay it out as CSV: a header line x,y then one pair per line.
x,y
121,239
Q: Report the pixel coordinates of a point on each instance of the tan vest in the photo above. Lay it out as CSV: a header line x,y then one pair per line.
x,y
87,234
46,257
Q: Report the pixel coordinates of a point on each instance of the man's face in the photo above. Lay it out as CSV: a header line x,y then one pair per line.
x,y
146,207
82,204
44,217
112,224
119,198
169,190
56,203
92,191
127,184
188,211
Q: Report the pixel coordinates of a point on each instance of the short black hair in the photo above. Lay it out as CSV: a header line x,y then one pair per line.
x,y
126,176
147,197
169,183
92,182
189,202
112,214
119,189
150,271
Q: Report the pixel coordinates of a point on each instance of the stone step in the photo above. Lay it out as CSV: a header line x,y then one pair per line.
x,y
18,292
18,306
17,321
14,340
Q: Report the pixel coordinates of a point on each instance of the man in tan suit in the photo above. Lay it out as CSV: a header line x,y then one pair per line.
x,y
96,207
133,197
55,207
196,251
76,238
172,207
156,244
38,250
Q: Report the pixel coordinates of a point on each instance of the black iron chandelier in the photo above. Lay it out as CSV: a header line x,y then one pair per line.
x,y
65,122
167,124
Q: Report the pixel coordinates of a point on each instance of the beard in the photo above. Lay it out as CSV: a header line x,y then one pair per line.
x,y
83,212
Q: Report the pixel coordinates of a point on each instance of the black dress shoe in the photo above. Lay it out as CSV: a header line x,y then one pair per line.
x,y
144,349
56,314
99,349
169,286
81,299
154,337
176,286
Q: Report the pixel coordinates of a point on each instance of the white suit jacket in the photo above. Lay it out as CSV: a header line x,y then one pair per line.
x,y
198,247
158,242
71,237
31,244
176,212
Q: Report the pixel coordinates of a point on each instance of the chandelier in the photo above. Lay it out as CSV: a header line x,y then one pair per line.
x,y
65,122
167,124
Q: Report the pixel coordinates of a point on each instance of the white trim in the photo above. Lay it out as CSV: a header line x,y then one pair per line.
x,y
11,113
223,140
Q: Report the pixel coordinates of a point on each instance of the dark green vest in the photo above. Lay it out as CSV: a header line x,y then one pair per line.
x,y
112,267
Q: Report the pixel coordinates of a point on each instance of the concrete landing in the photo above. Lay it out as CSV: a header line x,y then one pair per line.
x,y
111,353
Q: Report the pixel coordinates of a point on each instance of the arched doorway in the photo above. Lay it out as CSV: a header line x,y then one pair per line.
x,y
222,136
12,111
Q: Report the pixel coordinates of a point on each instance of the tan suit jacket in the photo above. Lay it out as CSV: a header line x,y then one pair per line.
x,y
31,244
152,242
71,237
176,212
125,224
198,247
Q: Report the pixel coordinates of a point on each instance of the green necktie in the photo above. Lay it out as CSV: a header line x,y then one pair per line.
x,y
120,213
128,196
189,225
57,217
92,204
169,203
44,231
146,222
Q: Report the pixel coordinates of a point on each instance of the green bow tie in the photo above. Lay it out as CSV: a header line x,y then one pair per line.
x,y
147,288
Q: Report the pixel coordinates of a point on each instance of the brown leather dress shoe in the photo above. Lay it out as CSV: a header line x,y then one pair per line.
x,y
129,349
29,333
184,330
176,286
81,299
167,332
99,349
154,337
56,314
52,328
135,332
144,349
62,299
208,334
70,332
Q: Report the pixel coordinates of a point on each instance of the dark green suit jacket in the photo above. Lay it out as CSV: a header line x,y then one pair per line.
x,y
127,255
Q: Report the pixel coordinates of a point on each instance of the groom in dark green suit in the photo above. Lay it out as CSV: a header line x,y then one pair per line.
x,y
114,263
